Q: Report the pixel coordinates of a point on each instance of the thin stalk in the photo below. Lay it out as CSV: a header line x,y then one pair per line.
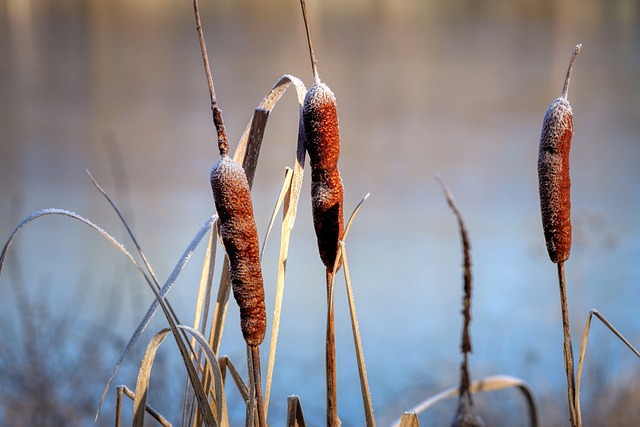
x,y
567,79
330,355
567,348
314,63
257,383
223,142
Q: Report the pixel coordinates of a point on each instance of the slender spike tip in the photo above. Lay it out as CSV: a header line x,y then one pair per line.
x,y
314,63
565,88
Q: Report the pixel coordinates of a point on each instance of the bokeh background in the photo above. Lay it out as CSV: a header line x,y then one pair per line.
x,y
457,88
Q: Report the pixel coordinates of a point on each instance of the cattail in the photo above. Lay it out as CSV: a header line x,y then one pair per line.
x,y
237,228
232,198
555,205
553,172
322,141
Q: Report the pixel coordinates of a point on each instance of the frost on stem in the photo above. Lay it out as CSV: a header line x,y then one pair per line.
x,y
232,198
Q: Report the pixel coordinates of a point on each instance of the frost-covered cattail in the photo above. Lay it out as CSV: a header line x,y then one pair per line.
x,y
553,172
232,198
320,119
322,141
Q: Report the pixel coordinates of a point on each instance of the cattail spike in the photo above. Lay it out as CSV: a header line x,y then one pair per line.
x,y
565,88
223,142
553,173
314,64
240,239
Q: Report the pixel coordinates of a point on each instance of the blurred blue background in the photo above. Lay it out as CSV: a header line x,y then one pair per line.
x,y
457,88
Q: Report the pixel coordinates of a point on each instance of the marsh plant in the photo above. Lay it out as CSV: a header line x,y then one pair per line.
x,y
233,227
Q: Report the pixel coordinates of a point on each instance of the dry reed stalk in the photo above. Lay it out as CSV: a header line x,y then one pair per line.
x,y
465,415
322,142
555,205
232,196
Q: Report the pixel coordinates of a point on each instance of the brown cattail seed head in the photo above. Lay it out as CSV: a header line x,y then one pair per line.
x,y
554,179
322,141
232,198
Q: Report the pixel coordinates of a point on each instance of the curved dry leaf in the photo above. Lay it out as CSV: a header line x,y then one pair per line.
x,y
492,383
154,305
583,347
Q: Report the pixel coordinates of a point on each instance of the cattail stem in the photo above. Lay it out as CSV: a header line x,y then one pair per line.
x,y
574,416
257,383
314,64
567,79
223,142
330,356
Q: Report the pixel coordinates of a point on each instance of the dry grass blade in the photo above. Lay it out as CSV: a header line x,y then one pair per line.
x,y
201,315
583,347
144,375
123,390
409,419
201,396
126,226
226,364
109,238
492,383
289,216
362,369
73,215
205,286
286,187
295,418
353,216
154,305
154,278
249,145
218,379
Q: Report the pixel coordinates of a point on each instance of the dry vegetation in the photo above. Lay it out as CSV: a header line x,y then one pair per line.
x,y
32,393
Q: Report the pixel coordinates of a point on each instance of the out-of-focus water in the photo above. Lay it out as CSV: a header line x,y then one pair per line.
x,y
458,89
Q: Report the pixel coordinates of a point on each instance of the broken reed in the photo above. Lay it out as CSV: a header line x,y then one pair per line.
x,y
555,205
322,142
237,227
465,414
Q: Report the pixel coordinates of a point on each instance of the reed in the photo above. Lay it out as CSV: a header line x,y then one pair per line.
x,y
465,415
322,142
555,205
237,228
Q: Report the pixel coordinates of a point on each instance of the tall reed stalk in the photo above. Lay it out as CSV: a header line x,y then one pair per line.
x,y
555,205
322,142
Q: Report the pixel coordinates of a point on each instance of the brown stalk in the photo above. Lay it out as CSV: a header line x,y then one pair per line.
x,y
574,416
322,142
465,415
330,357
555,205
